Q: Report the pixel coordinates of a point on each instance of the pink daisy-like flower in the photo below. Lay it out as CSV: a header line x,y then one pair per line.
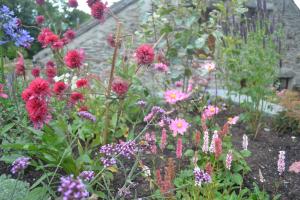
x,y
173,96
178,126
210,111
209,66
233,121
161,67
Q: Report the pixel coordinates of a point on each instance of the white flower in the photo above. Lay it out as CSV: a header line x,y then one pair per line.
x,y
146,171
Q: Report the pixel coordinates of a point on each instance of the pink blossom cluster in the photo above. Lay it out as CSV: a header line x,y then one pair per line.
x,y
281,162
174,96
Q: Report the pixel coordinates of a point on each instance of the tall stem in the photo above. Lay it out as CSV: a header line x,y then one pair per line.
x,y
108,91
2,64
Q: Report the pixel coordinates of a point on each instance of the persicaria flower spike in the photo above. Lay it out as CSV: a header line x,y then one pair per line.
x,y
20,164
281,162
163,141
20,65
218,147
229,159
212,144
179,148
205,146
145,54
72,189
245,142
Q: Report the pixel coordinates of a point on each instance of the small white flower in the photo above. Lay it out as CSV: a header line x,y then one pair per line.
x,y
146,170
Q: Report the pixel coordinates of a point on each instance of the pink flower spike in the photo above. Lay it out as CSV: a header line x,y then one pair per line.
x,y
164,137
295,167
229,159
178,126
281,162
205,146
179,148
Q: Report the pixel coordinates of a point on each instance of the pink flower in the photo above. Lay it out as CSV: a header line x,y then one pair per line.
x,y
212,144
161,67
111,40
98,10
173,96
281,93
205,146
218,147
20,66
74,58
120,86
73,3
229,159
178,126
179,83
35,72
2,94
163,141
233,120
295,167
58,45
281,162
145,54
151,140
210,111
179,148
40,2
40,19
209,66
69,35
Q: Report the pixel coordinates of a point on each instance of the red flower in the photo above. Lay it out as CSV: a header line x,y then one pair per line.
x,y
81,83
179,148
50,63
39,87
20,67
98,10
51,38
38,112
69,35
120,86
40,19
145,54
83,108
59,87
40,2
51,72
209,168
27,94
35,72
45,33
74,58
91,2
111,40
58,45
197,138
75,97
73,3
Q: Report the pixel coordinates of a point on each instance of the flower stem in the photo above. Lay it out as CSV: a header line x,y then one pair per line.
x,y
2,65
107,103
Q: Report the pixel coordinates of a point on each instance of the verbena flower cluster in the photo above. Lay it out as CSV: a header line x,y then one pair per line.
x,y
72,189
87,175
201,177
12,32
20,164
110,151
87,115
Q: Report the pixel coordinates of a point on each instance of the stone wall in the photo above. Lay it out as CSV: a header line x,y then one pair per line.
x,y
92,35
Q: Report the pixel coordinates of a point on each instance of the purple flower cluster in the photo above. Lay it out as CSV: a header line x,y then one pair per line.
x,y
87,175
20,164
155,111
72,189
201,176
141,103
87,115
125,149
10,25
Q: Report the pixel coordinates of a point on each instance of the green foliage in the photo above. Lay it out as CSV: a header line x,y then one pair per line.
x,y
285,124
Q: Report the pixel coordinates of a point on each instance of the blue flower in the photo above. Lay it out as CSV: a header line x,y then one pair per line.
x,y
11,29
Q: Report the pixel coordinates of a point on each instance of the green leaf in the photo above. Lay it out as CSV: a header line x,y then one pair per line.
x,y
237,178
189,153
246,153
39,193
6,128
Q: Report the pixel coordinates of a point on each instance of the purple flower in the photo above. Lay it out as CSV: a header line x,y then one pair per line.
x,y
20,164
72,189
201,177
141,103
87,175
108,162
87,115
11,29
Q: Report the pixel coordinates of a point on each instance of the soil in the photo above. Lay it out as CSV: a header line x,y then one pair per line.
x,y
265,149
